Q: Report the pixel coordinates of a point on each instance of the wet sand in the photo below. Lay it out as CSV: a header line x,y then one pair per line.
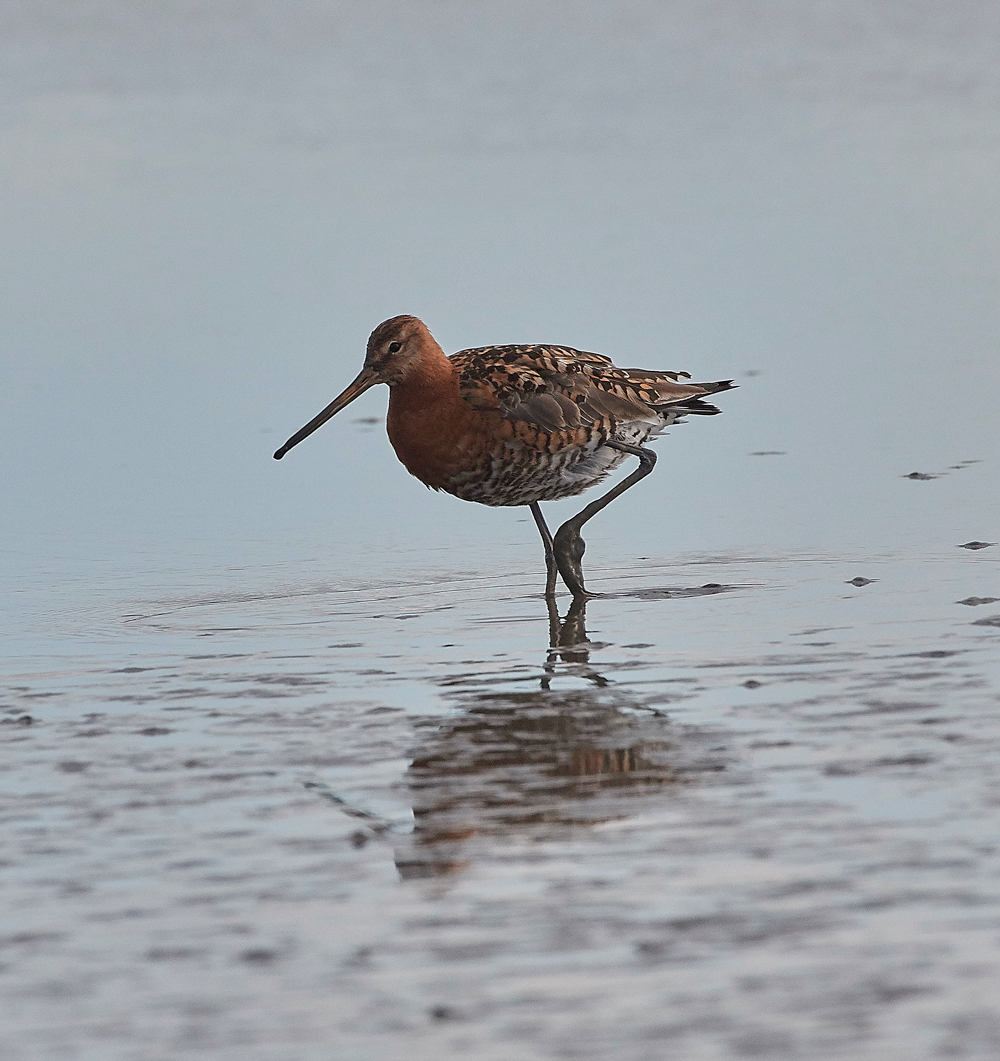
x,y
741,807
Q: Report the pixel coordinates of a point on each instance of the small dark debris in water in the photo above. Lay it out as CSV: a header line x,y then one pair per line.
x,y
859,581
977,545
360,958
883,707
20,939
851,769
651,948
841,770
671,592
443,1013
24,720
975,601
993,620
919,475
131,670
73,767
154,731
348,644
752,683
359,839
259,956
769,453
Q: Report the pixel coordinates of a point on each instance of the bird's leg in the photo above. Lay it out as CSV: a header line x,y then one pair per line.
x,y
550,559
567,546
568,642
555,626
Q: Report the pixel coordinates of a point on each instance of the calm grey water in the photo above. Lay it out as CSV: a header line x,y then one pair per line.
x,y
296,763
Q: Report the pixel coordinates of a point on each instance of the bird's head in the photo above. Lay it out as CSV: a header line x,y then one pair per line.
x,y
393,348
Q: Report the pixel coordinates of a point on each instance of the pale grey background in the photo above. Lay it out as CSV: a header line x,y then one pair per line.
x,y
208,206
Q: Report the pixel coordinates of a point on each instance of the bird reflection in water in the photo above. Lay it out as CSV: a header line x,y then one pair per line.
x,y
538,764
568,643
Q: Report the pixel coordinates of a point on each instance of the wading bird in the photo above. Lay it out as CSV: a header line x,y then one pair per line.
x,y
516,425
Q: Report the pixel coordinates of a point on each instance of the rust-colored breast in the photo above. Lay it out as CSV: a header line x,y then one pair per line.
x,y
434,433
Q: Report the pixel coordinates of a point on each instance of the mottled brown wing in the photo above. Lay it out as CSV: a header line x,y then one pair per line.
x,y
557,387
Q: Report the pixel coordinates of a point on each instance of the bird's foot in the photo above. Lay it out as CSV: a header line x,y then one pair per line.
x,y
569,547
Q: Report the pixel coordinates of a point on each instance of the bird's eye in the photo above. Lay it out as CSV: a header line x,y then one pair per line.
x,y
394,348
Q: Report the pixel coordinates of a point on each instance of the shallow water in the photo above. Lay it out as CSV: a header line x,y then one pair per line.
x,y
740,807
297,764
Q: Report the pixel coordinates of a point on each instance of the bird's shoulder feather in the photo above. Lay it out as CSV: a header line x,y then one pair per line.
x,y
559,388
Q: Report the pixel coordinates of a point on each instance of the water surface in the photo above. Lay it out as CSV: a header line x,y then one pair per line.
x,y
298,764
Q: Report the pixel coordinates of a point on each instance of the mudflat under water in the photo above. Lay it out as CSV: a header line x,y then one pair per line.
x,y
738,806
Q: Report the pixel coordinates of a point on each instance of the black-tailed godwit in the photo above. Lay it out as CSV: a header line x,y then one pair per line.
x,y
516,425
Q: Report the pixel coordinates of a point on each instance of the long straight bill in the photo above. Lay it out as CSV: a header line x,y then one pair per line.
x,y
365,379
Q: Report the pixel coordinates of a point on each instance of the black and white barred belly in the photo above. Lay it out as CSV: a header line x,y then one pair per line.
x,y
519,474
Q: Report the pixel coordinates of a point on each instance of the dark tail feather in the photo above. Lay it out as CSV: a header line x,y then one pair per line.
x,y
694,407
697,407
719,385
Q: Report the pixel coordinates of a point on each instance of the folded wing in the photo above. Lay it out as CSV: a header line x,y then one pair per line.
x,y
558,388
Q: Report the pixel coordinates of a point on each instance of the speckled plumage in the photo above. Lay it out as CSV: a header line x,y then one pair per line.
x,y
515,425
558,407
